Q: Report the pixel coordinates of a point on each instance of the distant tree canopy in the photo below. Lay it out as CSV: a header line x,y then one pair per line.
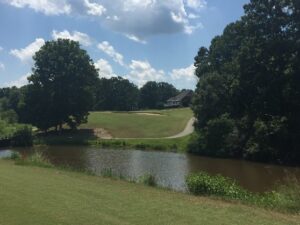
x,y
116,94
247,101
153,95
61,87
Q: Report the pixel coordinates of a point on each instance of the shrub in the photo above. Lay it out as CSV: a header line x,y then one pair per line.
x,y
15,156
284,198
36,159
217,138
22,137
204,184
148,180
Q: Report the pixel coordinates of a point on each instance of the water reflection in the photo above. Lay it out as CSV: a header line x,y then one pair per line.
x,y
170,169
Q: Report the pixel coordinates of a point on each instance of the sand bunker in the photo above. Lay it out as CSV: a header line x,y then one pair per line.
x,y
102,133
148,114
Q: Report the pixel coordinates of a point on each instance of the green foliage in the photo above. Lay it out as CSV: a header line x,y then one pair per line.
x,y
284,198
107,172
251,74
116,94
218,138
148,179
14,156
36,159
10,116
61,86
153,95
22,137
204,184
19,135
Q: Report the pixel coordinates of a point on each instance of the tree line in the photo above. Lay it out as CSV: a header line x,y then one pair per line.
x,y
247,101
65,86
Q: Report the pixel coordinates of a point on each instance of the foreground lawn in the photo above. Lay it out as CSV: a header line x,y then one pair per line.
x,y
31,195
141,124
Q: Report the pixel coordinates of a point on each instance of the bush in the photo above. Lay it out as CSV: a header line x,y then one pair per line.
x,y
217,138
284,197
15,156
36,159
148,180
204,184
22,137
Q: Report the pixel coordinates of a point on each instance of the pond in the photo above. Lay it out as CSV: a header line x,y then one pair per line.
x,y
170,169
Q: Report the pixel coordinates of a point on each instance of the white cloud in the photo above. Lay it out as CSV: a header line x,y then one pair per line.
x,y
48,7
110,51
141,72
25,54
196,4
83,38
193,16
189,29
184,77
136,39
139,19
2,66
105,69
136,19
1,48
94,9
19,82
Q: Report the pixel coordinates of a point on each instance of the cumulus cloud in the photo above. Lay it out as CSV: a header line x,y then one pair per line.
x,y
94,8
25,54
19,82
108,49
105,69
141,72
184,77
82,38
48,7
136,19
143,18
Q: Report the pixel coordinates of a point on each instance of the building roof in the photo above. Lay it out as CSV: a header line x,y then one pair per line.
x,y
181,96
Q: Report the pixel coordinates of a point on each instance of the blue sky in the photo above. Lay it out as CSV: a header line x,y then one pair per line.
x,y
141,40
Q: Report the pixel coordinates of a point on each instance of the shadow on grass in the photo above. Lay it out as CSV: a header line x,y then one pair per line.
x,y
66,137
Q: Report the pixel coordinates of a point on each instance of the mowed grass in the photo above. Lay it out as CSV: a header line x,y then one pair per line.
x,y
163,123
35,196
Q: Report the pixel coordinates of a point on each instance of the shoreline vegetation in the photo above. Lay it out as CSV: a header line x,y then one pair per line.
x,y
211,198
172,145
283,198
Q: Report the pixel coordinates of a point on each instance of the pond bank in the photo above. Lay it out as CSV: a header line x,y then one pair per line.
x,y
51,196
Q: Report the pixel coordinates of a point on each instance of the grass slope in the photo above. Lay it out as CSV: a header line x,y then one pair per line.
x,y
137,125
31,195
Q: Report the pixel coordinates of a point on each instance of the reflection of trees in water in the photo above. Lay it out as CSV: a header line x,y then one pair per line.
x,y
253,176
170,169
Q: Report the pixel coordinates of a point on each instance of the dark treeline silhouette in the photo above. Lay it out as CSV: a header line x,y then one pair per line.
x,y
247,101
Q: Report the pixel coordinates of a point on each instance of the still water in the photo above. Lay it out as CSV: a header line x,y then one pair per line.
x,y
170,169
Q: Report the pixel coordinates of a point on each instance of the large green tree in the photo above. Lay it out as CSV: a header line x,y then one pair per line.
x,y
116,94
249,85
61,88
154,94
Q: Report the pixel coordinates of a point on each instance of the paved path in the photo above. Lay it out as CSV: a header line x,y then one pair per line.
x,y
189,129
